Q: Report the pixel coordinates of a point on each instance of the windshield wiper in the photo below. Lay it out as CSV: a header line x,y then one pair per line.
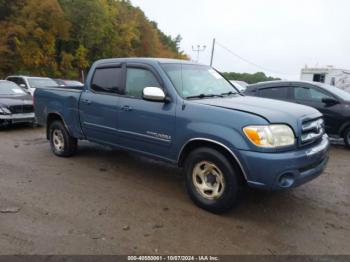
x,y
229,93
201,96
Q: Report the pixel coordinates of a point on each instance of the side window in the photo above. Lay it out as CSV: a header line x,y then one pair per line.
x,y
274,92
20,81
137,79
107,80
13,79
309,94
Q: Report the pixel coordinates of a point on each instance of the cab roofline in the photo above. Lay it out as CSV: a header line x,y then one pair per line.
x,y
285,82
147,60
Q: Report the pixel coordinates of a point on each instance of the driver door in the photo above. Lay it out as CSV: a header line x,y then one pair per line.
x,y
312,96
145,126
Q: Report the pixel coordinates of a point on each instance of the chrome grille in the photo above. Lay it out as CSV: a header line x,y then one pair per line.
x,y
20,109
312,130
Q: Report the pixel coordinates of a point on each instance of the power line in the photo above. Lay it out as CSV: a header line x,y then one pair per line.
x,y
249,62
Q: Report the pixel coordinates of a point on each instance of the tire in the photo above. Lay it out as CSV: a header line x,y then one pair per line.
x,y
347,137
228,191
62,144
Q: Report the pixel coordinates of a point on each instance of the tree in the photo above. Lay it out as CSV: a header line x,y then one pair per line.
x,y
249,78
29,36
59,38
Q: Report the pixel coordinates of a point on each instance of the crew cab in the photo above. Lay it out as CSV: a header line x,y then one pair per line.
x,y
187,114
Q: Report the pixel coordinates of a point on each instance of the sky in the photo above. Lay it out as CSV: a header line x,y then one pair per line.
x,y
278,37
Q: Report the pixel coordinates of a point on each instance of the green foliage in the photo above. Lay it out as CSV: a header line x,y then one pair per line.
x,y
249,78
59,38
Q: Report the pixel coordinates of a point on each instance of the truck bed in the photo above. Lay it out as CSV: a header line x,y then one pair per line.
x,y
60,101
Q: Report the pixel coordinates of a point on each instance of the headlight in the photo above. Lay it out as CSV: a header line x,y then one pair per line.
x,y
270,136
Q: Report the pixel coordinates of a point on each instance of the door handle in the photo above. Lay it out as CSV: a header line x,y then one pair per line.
x,y
126,108
86,101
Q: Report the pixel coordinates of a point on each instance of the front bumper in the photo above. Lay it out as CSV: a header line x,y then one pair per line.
x,y
18,118
276,171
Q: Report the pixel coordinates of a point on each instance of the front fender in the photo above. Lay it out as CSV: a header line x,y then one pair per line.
x,y
343,127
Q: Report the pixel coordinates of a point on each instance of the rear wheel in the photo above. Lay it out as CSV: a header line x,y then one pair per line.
x,y
347,137
212,182
62,144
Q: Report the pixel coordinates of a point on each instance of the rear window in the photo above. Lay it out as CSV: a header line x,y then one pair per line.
x,y
107,80
274,92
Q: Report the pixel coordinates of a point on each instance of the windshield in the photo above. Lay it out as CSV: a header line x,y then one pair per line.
x,y
337,91
198,81
73,83
239,86
9,88
41,82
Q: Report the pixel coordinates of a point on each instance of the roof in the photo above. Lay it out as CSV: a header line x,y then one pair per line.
x,y
311,70
24,76
148,60
284,82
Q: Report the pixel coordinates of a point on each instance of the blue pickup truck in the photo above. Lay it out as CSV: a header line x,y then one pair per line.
x,y
189,115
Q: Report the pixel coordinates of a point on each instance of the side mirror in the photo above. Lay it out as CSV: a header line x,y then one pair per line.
x,y
330,101
155,94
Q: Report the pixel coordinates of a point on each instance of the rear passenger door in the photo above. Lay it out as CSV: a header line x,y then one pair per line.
x,y
99,105
145,126
276,92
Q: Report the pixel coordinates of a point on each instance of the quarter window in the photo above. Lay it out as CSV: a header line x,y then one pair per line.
x,y
107,80
137,79
274,93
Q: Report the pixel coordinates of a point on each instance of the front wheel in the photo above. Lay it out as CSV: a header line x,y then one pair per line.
x,y
347,137
212,182
62,144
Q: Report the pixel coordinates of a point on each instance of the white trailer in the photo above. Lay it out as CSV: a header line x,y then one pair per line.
x,y
327,75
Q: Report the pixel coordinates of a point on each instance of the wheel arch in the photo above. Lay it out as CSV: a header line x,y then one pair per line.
x,y
51,117
344,127
195,143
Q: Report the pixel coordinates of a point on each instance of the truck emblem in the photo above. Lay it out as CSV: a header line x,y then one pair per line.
x,y
157,135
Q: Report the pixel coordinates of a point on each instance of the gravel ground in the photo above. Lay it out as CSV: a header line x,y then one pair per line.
x,y
104,201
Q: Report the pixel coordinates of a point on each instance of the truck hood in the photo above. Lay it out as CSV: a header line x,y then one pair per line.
x,y
274,111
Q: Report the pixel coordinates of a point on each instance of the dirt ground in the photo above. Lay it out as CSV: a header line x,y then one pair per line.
x,y
104,201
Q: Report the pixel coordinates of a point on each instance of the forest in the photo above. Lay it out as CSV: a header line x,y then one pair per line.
x,y
249,78
62,38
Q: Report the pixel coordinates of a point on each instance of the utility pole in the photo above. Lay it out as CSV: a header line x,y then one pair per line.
x,y
212,53
199,49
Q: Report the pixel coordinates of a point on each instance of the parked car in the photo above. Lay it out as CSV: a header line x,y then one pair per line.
x,y
331,101
62,82
188,115
16,105
240,85
30,83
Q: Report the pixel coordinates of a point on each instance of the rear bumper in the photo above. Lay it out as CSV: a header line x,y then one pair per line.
x,y
18,118
277,171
